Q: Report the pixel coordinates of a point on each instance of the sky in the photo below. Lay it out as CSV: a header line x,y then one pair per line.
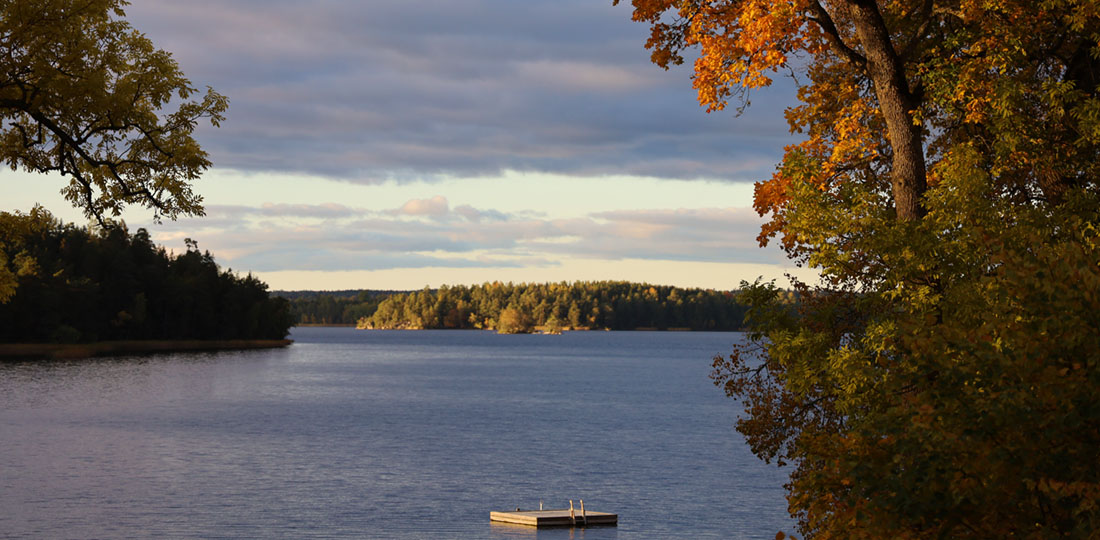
x,y
395,144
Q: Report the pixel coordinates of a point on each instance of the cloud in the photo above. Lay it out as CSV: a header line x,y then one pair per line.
x,y
581,76
412,89
473,214
436,207
310,259
325,210
332,236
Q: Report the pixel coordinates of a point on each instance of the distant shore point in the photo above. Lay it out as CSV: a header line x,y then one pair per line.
x,y
18,351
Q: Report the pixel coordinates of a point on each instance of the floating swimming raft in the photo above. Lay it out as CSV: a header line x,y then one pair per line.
x,y
566,517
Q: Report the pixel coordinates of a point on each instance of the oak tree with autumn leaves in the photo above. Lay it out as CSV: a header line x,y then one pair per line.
x,y
943,381
86,96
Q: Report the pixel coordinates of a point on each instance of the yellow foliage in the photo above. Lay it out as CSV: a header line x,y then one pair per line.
x,y
84,96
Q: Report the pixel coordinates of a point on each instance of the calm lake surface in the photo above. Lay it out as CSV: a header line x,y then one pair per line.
x,y
383,434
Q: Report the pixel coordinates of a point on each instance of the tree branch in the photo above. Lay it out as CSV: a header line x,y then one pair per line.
x,y
836,43
926,20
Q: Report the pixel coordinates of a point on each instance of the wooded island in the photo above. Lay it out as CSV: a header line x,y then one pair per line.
x,y
518,308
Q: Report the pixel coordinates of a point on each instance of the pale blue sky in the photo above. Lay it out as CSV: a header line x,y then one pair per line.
x,y
401,143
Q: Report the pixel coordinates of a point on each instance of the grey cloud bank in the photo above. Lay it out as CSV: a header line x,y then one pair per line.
x,y
400,89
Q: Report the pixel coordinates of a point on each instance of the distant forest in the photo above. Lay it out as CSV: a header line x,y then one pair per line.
x,y
507,307
333,307
72,284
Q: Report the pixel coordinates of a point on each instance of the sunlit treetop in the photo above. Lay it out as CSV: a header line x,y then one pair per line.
x,y
84,94
889,88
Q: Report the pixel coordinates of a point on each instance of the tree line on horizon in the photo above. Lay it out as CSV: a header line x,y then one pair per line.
x,y
77,284
552,307
336,308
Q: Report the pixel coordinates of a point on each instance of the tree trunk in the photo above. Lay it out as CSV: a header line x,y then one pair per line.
x,y
897,104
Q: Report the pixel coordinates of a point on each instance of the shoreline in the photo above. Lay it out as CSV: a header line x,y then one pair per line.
x,y
542,330
59,351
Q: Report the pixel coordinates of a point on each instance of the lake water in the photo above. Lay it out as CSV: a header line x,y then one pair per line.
x,y
383,434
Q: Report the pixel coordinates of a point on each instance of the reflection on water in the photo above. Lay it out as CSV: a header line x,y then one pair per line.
x,y
522,532
382,435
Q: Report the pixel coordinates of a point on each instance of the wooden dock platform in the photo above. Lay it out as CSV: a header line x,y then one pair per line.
x,y
554,518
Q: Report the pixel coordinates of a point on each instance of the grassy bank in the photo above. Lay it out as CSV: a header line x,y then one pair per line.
x,y
119,348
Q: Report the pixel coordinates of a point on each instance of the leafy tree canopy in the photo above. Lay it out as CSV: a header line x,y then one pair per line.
x,y
84,94
887,87
77,284
944,379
